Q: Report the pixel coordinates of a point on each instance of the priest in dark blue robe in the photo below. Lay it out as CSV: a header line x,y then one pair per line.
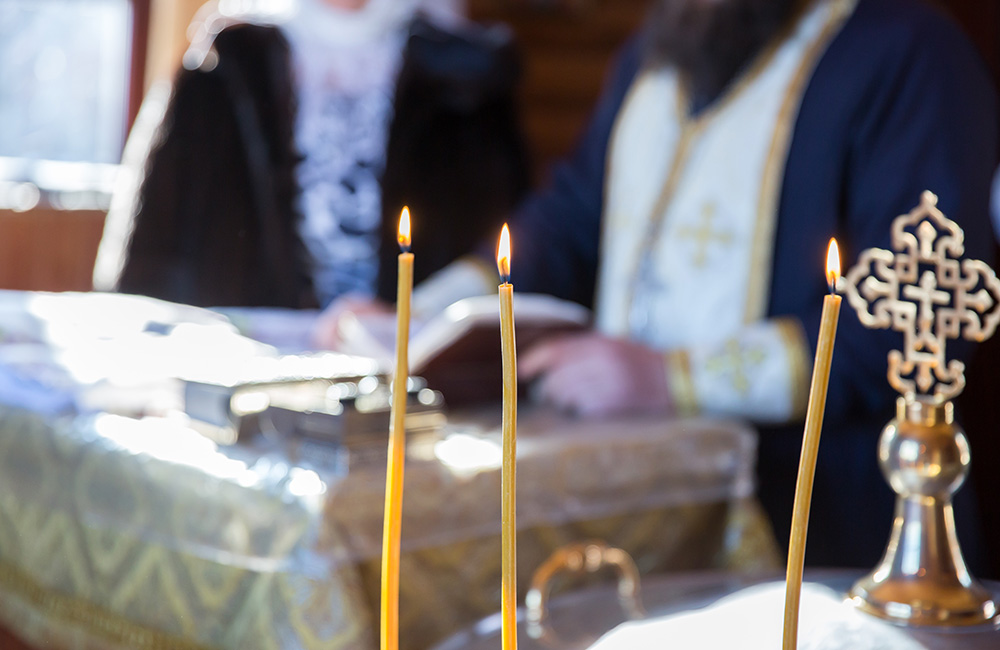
x,y
694,216
733,139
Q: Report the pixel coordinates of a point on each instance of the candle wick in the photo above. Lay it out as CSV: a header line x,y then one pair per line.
x,y
505,278
404,248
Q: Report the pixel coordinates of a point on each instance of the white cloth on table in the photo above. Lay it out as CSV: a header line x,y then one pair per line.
x,y
753,618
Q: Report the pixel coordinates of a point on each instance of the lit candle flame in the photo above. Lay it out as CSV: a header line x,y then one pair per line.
x,y
832,265
503,254
404,230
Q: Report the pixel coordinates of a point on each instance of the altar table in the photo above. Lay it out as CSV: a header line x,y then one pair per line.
x,y
577,619
122,527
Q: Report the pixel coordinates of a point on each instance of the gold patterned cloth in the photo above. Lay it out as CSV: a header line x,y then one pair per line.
x,y
675,494
121,533
137,532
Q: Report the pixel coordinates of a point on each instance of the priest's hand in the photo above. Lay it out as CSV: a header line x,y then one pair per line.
x,y
596,375
328,331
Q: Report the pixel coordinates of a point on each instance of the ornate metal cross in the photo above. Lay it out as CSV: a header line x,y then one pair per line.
x,y
930,295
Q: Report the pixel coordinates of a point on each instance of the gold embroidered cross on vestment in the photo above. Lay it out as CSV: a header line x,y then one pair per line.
x,y
704,234
735,361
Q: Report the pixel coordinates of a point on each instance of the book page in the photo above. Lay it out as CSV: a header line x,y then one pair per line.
x,y
458,351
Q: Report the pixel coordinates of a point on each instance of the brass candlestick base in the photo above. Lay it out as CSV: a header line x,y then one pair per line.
x,y
922,578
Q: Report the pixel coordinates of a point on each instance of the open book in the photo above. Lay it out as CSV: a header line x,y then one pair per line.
x,y
458,351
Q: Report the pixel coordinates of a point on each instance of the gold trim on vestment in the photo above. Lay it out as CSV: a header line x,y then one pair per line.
x,y
94,620
797,350
689,131
762,250
680,383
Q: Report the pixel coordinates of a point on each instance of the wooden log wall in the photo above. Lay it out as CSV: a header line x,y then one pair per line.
x,y
567,47
45,249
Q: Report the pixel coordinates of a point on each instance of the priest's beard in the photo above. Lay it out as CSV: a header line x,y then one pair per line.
x,y
711,41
